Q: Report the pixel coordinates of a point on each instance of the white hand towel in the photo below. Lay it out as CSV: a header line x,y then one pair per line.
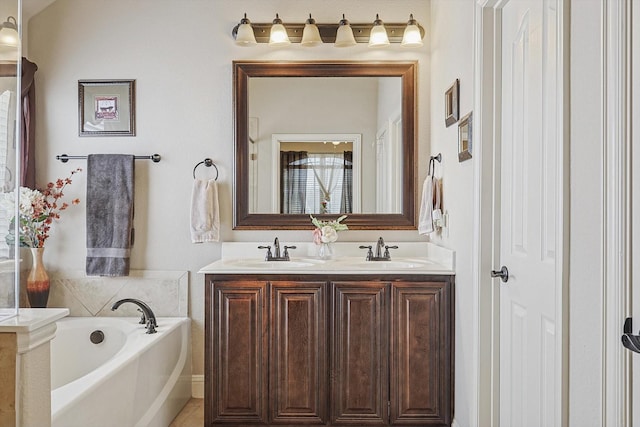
x,y
425,221
205,215
437,206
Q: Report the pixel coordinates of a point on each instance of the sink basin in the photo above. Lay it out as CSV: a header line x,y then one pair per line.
x,y
389,265
261,264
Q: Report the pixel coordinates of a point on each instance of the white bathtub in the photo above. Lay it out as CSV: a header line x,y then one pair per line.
x,y
130,379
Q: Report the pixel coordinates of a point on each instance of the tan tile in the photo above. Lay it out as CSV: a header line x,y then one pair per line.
x,y
192,415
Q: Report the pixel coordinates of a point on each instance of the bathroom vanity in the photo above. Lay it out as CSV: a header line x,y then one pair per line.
x,y
338,342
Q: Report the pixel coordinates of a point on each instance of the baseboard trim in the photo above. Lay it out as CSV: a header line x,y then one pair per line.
x,y
197,386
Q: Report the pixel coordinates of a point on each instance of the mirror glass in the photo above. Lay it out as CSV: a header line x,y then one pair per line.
x,y
346,110
324,139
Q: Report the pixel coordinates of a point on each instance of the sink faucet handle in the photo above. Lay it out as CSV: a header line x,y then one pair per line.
x,y
386,251
286,251
369,252
268,248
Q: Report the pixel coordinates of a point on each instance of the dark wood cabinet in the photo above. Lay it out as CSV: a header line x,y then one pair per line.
x,y
298,353
328,350
359,353
238,347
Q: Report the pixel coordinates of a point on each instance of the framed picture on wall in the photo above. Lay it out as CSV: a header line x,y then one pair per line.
x,y
452,104
465,137
106,108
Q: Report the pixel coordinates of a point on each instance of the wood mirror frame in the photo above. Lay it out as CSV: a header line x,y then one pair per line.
x,y
243,70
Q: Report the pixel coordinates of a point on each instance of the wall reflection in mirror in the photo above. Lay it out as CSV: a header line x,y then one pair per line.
x,y
325,145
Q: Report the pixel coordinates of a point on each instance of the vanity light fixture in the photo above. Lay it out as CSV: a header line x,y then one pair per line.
x,y
243,33
9,38
311,34
412,36
378,36
278,36
344,35
341,34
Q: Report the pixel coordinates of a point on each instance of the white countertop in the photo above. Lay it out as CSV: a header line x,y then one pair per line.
x,y
30,319
409,258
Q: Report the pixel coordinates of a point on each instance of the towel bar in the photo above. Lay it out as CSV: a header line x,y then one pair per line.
x,y
208,163
65,158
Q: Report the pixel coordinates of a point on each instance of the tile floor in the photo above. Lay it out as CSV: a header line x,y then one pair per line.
x,y
192,415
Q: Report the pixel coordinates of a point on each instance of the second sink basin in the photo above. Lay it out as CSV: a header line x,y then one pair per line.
x,y
389,265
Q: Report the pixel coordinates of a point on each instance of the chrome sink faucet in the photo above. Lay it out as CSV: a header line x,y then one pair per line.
x,y
379,256
275,256
148,317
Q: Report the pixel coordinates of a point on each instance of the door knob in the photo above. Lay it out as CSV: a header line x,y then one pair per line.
x,y
503,274
630,341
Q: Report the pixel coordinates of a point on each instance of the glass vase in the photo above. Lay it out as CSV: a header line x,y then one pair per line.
x,y
325,251
37,280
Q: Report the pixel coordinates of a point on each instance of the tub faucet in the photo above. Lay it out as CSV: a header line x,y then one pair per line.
x,y
147,313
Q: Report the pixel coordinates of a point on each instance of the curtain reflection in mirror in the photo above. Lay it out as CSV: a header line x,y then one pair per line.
x,y
328,189
293,173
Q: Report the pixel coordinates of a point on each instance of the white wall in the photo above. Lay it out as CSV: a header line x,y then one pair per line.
x,y
452,58
586,222
180,53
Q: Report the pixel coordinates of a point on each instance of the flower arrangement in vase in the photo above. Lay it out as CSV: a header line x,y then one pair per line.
x,y
325,233
36,212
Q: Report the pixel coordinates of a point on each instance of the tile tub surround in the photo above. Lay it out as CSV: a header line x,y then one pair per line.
x,y
166,292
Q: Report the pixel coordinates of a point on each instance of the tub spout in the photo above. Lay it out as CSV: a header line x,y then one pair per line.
x,y
147,313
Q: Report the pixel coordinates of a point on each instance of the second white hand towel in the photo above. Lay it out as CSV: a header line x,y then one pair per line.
x,y
205,213
425,221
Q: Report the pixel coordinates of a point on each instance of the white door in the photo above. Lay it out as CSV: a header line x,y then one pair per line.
x,y
529,214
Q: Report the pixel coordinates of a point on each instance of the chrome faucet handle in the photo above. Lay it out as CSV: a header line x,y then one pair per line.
x,y
151,327
369,252
286,251
386,251
268,248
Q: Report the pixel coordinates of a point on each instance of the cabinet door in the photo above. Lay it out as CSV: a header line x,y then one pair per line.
x,y
421,352
359,353
298,353
239,374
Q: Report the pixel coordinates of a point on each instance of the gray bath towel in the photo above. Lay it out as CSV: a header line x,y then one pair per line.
x,y
109,213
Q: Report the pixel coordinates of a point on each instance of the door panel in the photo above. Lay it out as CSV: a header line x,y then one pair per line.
x,y
299,369
529,190
240,351
359,353
420,353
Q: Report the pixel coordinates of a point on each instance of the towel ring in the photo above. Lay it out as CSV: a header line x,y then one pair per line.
x,y
432,163
208,163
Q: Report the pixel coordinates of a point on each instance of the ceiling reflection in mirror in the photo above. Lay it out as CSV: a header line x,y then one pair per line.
x,y
324,139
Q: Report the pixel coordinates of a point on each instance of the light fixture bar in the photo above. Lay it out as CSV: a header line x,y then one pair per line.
x,y
361,32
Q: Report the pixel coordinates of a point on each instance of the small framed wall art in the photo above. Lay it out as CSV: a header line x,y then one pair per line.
x,y
106,107
452,104
465,137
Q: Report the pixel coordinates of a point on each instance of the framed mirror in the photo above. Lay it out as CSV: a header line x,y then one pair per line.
x,y
324,139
